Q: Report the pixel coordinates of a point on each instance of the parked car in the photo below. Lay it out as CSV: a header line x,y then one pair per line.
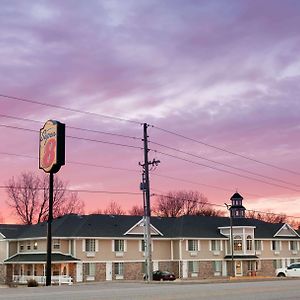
x,y
293,270
163,275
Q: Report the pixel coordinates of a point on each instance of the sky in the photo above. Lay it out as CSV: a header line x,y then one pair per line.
x,y
217,82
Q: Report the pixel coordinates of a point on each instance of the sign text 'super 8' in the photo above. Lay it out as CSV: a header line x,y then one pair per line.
x,y
52,146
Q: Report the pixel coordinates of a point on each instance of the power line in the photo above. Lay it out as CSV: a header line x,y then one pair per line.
x,y
199,183
226,171
74,137
225,150
73,162
81,191
68,109
223,164
72,127
134,171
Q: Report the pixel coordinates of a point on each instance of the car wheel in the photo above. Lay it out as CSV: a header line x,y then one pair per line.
x,y
281,275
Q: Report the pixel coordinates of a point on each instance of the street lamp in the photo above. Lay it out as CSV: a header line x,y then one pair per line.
x,y
231,239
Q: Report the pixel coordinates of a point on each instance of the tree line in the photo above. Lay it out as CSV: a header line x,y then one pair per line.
x,y
28,197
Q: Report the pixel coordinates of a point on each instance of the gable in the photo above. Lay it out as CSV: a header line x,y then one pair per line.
x,y
139,229
286,231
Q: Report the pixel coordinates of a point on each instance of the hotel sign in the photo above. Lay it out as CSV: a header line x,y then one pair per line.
x,y
52,146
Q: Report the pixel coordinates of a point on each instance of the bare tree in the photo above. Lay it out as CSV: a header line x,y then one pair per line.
x,y
180,203
267,216
28,196
114,208
136,211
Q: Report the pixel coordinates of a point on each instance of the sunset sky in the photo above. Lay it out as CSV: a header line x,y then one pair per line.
x,y
218,81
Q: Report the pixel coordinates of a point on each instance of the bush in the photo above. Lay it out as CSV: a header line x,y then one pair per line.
x,y
32,283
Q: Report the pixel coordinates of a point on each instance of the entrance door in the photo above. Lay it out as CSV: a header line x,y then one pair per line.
x,y
109,270
238,268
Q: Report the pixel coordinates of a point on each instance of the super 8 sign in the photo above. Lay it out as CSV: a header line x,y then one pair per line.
x,y
52,146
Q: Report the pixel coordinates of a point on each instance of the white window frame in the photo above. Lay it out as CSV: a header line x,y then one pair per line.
x,y
260,243
275,242
90,245
217,267
195,245
218,244
295,243
120,249
56,244
193,266
119,270
91,270
249,242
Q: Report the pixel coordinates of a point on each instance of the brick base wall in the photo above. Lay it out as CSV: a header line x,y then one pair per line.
x,y
2,274
267,268
133,271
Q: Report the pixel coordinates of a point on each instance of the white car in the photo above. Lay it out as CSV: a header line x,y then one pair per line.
x,y
293,270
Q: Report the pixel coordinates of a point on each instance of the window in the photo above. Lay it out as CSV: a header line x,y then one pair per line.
x,y
143,245
193,266
21,247
56,244
35,245
217,267
293,246
277,263
215,245
258,245
250,265
119,269
90,245
275,245
237,243
193,245
249,242
90,269
28,245
119,246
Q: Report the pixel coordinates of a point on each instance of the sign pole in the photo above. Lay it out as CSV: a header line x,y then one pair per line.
x,y
49,230
51,158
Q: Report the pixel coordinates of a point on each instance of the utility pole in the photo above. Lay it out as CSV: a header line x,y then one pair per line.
x,y
231,240
145,186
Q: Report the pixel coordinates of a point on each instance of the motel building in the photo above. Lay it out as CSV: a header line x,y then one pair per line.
x,y
91,248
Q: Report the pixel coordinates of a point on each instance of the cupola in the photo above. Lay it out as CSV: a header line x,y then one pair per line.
x,y
237,210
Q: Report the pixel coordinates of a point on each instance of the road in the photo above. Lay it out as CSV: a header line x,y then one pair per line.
x,y
263,290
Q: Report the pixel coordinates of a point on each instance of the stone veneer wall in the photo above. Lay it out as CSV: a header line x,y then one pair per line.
x,y
100,272
2,274
206,269
9,274
133,271
267,268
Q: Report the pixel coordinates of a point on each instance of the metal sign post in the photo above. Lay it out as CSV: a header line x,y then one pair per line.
x,y
51,158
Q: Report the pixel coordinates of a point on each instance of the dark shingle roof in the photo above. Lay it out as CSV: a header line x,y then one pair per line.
x,y
40,257
12,231
116,225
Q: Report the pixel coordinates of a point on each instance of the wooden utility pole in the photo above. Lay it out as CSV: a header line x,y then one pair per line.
x,y
146,199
